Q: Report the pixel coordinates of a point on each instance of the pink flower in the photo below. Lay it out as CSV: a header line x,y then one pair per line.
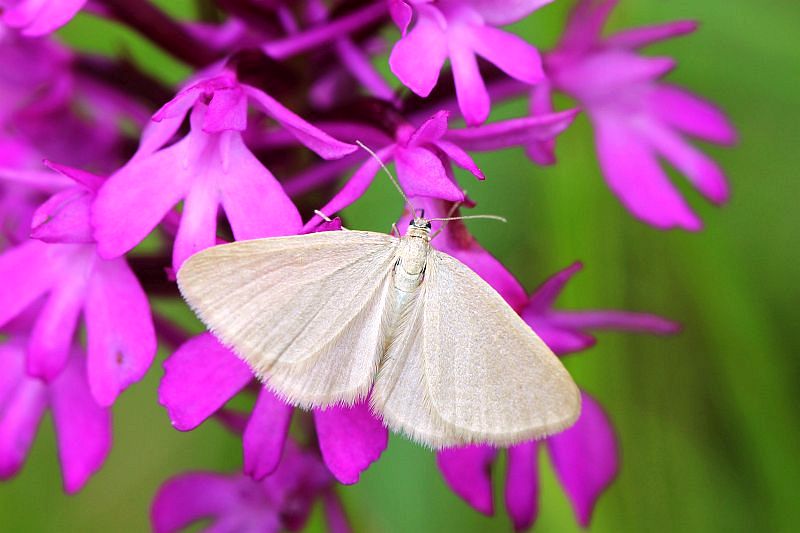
x,y
423,155
585,458
38,17
280,502
209,167
83,428
460,30
638,118
60,265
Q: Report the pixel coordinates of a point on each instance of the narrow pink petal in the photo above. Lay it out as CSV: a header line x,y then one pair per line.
x,y
511,54
431,130
20,415
12,368
314,138
467,472
546,294
335,515
691,114
421,173
187,498
357,185
460,158
53,332
198,228
419,55
265,435
135,199
27,271
502,12
616,320
603,76
512,132
350,439
254,202
542,152
522,485
647,35
401,13
359,64
560,340
634,174
90,181
702,171
199,378
120,337
83,428
585,24
471,93
585,458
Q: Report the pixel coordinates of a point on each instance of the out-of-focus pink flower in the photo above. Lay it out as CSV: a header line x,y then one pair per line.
x,y
423,155
83,428
38,17
585,458
462,30
209,167
280,502
60,265
638,118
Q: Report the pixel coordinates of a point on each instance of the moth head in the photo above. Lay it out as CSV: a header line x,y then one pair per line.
x,y
419,227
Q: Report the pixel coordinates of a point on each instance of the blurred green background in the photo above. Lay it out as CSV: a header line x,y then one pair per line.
x,y
708,420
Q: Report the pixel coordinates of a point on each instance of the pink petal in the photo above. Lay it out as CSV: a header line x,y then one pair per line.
x,y
135,199
20,415
83,428
27,271
359,63
585,24
190,497
401,14
350,439
64,217
700,169
355,187
198,227
335,515
51,16
460,158
199,378
546,294
265,435
227,111
467,472
53,332
604,76
502,12
617,320
89,181
634,174
311,136
522,485
471,93
254,202
419,55
511,54
560,340
513,132
691,114
120,337
421,173
585,458
647,35
431,130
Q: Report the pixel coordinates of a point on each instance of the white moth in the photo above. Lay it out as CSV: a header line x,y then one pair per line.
x,y
326,318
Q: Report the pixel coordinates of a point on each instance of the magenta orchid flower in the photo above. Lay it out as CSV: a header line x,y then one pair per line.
x,y
280,502
38,17
462,30
83,428
638,118
423,156
60,265
209,167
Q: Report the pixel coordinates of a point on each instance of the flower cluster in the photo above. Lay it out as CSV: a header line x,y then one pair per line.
x,y
110,180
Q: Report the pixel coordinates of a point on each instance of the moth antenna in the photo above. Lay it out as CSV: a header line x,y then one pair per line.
x,y
388,173
468,217
322,215
450,213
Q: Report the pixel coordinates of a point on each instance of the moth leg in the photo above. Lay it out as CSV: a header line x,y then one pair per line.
x,y
395,231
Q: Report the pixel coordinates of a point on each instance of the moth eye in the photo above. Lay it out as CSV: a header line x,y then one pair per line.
x,y
411,223
428,225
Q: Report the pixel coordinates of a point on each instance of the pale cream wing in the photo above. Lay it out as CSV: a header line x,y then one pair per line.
x,y
305,312
489,376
